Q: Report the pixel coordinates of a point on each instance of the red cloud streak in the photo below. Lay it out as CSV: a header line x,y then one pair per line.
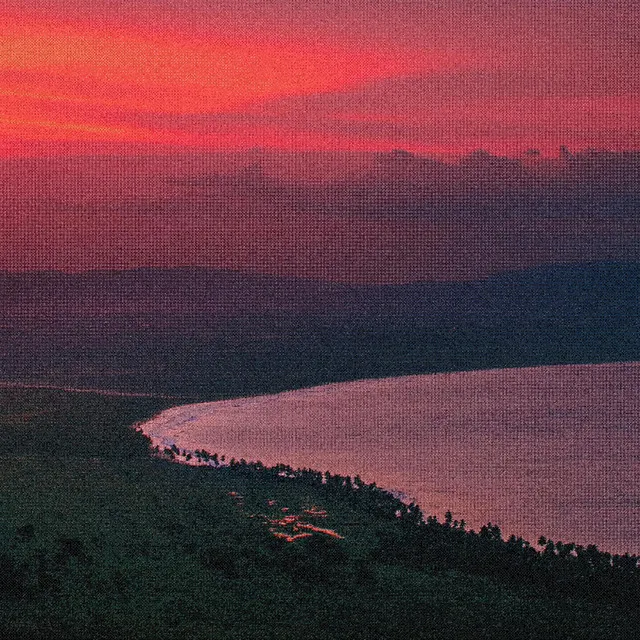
x,y
100,76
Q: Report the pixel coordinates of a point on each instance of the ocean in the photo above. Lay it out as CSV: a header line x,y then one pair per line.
x,y
548,450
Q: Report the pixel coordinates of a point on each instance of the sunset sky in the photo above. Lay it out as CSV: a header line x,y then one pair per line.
x,y
184,78
425,75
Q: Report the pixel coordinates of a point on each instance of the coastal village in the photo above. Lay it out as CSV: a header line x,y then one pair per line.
x,y
282,522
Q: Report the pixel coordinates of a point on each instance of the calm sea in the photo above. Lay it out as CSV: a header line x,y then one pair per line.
x,y
551,451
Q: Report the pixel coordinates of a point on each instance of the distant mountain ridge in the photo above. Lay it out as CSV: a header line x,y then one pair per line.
x,y
171,286
210,333
569,291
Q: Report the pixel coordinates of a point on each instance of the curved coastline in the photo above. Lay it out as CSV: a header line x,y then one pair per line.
x,y
543,450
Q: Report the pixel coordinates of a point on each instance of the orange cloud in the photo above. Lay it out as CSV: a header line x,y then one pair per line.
x,y
144,72
90,78
327,74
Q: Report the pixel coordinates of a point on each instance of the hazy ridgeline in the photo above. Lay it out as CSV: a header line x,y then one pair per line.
x,y
361,218
204,333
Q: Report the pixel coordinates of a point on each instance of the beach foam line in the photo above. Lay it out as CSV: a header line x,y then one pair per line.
x,y
7,384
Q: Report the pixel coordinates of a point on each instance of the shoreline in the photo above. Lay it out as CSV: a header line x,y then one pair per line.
x,y
9,384
481,453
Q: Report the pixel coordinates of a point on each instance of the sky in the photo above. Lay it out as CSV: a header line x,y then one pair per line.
x,y
175,81
424,75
